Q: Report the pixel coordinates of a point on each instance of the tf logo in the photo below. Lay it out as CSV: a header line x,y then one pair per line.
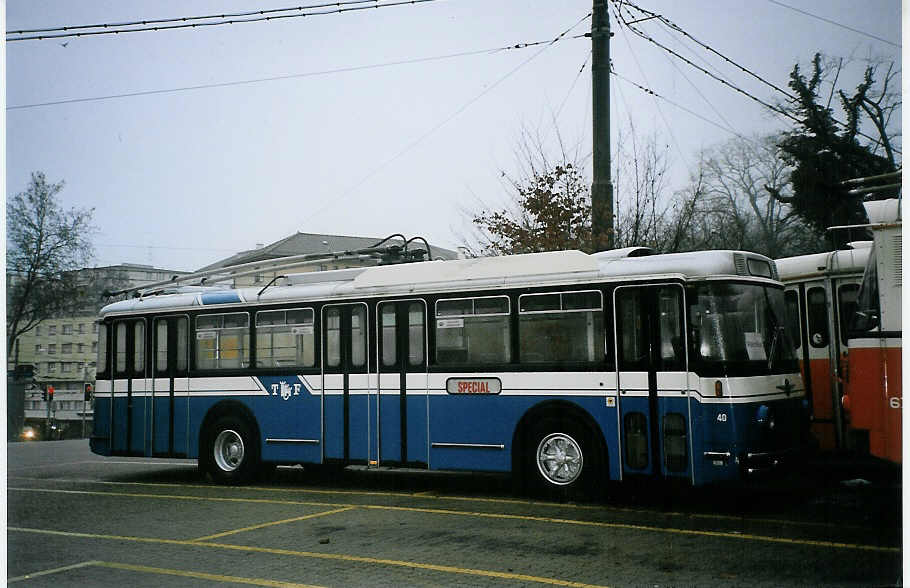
x,y
287,390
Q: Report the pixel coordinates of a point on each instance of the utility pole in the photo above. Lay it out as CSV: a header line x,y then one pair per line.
x,y
602,188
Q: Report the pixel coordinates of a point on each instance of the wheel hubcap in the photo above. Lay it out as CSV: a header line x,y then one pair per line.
x,y
559,459
228,450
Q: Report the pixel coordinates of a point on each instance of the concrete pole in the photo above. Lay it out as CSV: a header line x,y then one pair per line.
x,y
602,187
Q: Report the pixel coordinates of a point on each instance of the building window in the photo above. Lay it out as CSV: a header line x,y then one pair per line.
x,y
81,328
80,347
39,348
65,366
66,348
51,366
52,348
67,329
52,329
94,347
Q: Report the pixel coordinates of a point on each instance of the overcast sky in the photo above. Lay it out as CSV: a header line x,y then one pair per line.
x,y
180,179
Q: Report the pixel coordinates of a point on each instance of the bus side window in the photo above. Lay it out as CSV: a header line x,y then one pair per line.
x,y
102,362
846,303
561,327
793,326
120,352
222,341
473,331
817,305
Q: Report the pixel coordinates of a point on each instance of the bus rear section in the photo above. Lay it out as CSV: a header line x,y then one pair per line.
x,y
873,396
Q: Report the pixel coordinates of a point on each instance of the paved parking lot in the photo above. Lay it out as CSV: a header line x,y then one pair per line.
x,y
78,519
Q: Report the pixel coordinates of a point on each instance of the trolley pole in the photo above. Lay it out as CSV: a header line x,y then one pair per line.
x,y
602,188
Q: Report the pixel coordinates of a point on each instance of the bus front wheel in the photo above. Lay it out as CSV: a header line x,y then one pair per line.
x,y
230,454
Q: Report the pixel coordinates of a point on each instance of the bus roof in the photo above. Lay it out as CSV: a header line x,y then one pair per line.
x,y
816,265
532,269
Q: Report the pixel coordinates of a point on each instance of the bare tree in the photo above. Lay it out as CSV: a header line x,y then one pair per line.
x,y
738,179
45,244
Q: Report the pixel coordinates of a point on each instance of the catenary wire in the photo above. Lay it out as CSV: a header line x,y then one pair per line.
x,y
680,30
149,21
835,23
217,23
284,77
777,109
439,125
656,103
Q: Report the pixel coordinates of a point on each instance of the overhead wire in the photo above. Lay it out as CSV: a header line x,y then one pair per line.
x,y
284,77
149,21
442,123
209,24
572,87
776,109
645,77
685,33
695,87
653,41
835,23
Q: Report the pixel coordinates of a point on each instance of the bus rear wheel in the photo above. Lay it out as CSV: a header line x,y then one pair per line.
x,y
561,460
230,454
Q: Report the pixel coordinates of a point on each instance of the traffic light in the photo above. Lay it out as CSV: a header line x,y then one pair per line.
x,y
50,393
88,392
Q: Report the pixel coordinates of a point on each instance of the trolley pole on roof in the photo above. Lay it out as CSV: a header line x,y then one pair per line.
x,y
602,188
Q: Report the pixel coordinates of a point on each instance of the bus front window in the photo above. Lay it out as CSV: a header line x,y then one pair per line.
x,y
738,329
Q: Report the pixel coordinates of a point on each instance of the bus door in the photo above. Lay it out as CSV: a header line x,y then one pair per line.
x,y
655,425
402,431
345,383
129,387
168,426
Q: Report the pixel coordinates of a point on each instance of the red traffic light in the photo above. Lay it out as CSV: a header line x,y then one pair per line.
x,y
50,392
88,392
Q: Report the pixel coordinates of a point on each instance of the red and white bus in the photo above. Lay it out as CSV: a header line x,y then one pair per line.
x,y
844,312
872,396
821,291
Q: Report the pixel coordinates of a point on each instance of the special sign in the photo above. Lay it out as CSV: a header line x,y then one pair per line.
x,y
473,386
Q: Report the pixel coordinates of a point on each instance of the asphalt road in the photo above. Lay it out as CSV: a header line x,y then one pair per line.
x,y
77,519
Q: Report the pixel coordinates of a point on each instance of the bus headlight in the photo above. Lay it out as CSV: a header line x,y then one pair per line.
x,y
764,416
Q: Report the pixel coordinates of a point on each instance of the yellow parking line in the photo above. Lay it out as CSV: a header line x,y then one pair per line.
x,y
443,497
281,522
323,556
53,571
628,526
202,575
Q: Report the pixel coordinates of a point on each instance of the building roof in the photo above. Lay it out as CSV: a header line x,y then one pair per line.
x,y
303,243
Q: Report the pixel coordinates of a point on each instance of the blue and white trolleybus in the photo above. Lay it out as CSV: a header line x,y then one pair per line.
x,y
563,368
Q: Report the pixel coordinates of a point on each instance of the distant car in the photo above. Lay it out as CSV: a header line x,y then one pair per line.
x,y
28,434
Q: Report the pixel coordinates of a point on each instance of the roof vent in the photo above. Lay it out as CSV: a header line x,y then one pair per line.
x,y
622,253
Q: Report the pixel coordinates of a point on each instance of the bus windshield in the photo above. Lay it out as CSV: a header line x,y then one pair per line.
x,y
737,329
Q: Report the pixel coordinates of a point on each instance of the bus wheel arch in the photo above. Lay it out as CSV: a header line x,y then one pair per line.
x,y
570,433
229,444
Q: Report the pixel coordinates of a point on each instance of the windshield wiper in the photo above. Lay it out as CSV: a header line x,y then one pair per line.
x,y
774,338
